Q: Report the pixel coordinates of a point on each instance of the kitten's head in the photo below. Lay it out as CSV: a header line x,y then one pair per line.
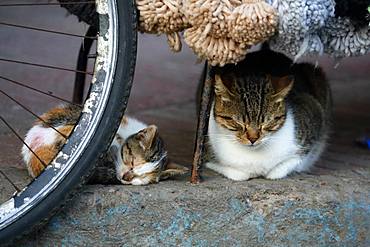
x,y
251,107
145,158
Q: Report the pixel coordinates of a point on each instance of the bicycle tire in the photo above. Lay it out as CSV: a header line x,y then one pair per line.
x,y
48,203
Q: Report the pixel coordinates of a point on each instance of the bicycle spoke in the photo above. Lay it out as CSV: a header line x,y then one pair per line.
x,y
43,4
39,91
46,30
45,66
21,139
10,181
34,114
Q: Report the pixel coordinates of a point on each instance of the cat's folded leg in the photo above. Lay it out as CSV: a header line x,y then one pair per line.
x,y
284,168
228,171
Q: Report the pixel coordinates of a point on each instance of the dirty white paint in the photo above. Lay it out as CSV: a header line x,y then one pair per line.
x,y
61,155
6,209
90,103
102,7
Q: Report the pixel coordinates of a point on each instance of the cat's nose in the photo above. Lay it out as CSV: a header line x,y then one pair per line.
x,y
253,135
253,139
128,176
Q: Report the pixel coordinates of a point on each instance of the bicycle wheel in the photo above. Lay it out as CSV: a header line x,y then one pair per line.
x,y
101,113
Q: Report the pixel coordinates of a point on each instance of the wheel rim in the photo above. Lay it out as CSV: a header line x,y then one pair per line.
x,y
93,109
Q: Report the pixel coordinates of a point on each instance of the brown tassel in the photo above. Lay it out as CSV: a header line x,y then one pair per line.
x,y
220,31
252,22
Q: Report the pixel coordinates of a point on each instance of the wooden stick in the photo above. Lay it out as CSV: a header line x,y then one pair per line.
x,y
203,118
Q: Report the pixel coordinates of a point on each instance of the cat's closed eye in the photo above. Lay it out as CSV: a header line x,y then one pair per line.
x,y
277,118
228,122
271,127
228,118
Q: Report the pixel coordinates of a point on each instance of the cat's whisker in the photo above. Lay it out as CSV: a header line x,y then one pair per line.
x,y
220,135
223,140
223,136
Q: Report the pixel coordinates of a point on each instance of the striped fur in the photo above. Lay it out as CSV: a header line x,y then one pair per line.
x,y
137,151
270,117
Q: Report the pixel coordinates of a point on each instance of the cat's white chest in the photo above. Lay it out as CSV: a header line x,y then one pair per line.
x,y
240,162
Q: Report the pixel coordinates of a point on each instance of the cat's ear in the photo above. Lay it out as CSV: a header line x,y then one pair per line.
x,y
173,169
146,136
222,87
124,121
282,86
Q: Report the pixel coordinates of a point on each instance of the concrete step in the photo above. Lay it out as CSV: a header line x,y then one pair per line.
x,y
323,208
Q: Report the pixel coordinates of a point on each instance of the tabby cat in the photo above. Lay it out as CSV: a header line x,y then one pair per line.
x,y
137,151
270,117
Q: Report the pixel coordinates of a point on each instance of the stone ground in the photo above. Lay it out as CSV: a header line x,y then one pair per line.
x,y
329,206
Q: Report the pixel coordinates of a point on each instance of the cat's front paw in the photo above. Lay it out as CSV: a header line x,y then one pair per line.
x,y
283,169
276,175
140,181
228,171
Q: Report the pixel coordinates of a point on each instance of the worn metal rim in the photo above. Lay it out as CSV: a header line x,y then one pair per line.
x,y
94,106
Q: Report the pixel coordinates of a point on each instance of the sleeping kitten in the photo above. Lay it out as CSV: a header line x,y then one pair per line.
x,y
137,150
142,153
270,117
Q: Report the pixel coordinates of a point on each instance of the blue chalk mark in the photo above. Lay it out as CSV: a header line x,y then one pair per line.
x,y
122,209
288,224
